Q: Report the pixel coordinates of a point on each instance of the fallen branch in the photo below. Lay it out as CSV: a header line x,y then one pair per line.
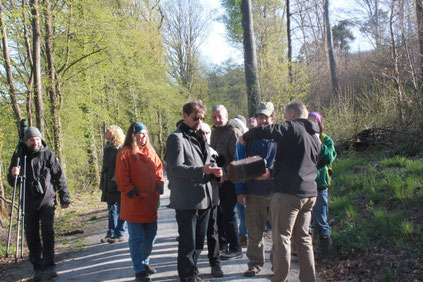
x,y
73,232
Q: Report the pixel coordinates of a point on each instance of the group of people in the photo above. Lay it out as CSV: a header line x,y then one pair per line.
x,y
298,156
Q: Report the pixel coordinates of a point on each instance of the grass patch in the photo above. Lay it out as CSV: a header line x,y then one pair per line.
x,y
375,201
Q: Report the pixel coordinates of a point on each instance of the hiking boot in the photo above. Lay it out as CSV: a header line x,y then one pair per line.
x,y
150,270
216,271
142,276
115,239
243,240
39,275
325,248
51,272
231,255
252,271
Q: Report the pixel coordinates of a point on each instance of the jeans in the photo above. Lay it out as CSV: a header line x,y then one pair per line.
x,y
192,228
141,240
116,226
240,213
45,215
320,214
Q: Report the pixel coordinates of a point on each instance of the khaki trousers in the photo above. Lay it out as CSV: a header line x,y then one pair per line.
x,y
290,217
255,219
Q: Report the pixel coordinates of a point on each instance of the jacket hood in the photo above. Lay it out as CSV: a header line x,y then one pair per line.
x,y
310,126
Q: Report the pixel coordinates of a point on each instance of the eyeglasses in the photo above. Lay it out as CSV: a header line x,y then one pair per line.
x,y
197,118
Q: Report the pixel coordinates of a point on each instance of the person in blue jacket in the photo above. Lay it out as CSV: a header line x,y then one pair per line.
x,y
255,194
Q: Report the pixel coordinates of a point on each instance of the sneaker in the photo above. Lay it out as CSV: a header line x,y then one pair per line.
x,y
150,270
105,239
198,279
252,271
115,239
243,240
216,271
231,255
51,272
38,275
142,276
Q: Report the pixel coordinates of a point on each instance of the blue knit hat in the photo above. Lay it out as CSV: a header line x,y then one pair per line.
x,y
140,126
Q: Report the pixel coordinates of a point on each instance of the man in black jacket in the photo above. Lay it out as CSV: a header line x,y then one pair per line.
x,y
43,177
295,189
190,172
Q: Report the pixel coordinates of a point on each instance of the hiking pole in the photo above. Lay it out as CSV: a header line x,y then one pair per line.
x,y
23,208
19,152
11,211
19,219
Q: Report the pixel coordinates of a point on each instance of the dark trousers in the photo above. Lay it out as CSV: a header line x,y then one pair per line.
x,y
192,228
227,220
213,238
45,215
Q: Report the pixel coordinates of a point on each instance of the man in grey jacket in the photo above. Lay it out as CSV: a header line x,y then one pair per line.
x,y
190,171
224,137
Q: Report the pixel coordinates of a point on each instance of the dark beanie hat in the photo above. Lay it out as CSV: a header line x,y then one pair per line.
x,y
31,132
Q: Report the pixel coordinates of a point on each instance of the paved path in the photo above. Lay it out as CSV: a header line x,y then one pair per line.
x,y
111,262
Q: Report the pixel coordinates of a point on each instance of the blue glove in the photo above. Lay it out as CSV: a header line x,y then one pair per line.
x,y
132,193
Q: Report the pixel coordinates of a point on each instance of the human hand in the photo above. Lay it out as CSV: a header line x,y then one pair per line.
x,y
264,176
242,199
241,140
212,169
16,170
159,188
132,193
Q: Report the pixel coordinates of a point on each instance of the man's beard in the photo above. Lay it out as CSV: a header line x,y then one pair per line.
x,y
34,149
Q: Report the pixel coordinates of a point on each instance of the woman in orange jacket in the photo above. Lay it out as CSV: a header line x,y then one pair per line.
x,y
139,176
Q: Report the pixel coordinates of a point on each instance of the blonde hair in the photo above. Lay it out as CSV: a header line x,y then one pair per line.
x,y
116,136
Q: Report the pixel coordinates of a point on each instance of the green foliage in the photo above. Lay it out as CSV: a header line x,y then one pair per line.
x,y
372,200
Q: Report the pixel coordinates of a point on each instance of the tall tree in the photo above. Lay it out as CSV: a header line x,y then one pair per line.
x,y
52,82
330,53
419,17
250,58
8,66
288,33
36,67
185,28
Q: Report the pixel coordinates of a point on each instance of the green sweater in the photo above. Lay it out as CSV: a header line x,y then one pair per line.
x,y
324,165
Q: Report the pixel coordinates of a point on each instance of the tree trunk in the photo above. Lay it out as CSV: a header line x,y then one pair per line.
x,y
30,84
57,129
8,66
288,32
1,186
329,46
36,68
419,14
397,74
250,58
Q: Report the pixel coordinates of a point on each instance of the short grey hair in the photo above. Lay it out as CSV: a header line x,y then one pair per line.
x,y
299,108
219,108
